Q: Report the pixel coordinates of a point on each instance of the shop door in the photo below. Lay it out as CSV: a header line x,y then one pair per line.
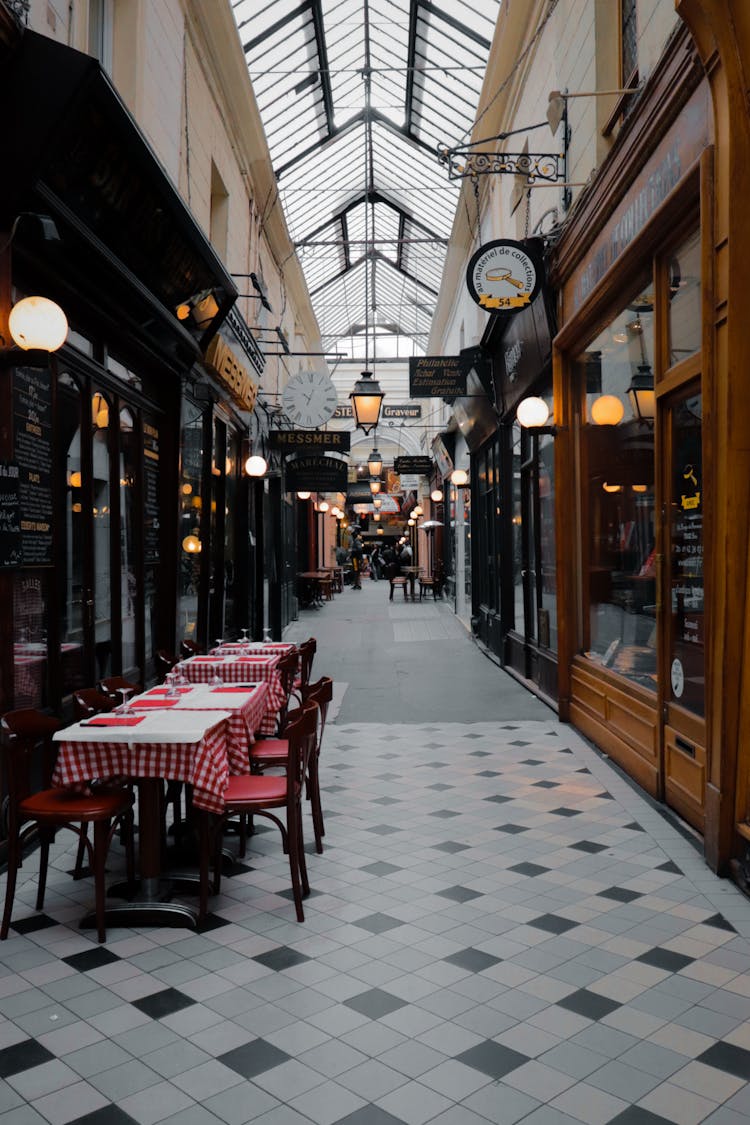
x,y
682,608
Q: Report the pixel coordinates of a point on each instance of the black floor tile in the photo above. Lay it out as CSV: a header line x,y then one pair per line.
x,y
531,869
532,762
440,787
451,847
720,922
498,799
634,826
489,773
91,959
727,1057
381,868
588,846
605,795
492,1058
107,1115
370,1115
553,923
213,922
665,959
635,1115
378,923
459,894
511,829
22,1056
281,958
444,814
383,830
620,894
472,959
34,923
289,893
563,811
518,742
589,1004
386,801
164,1003
546,785
671,867
253,1058
375,1003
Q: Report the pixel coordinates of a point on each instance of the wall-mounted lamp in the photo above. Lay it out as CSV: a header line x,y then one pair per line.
x,y
417,510
99,411
607,410
366,399
612,487
256,466
38,324
323,506
199,309
191,545
380,531
436,495
375,463
642,396
532,413
303,495
459,478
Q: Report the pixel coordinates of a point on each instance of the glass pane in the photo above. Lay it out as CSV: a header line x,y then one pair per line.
x,y
69,576
100,418
30,616
618,549
517,521
128,589
685,300
687,673
547,565
191,504
232,624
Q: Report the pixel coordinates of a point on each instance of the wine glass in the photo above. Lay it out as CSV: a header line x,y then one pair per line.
x,y
244,632
216,679
171,682
219,642
266,635
125,694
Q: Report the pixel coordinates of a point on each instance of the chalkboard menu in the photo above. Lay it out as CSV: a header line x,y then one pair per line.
x,y
10,515
32,422
151,535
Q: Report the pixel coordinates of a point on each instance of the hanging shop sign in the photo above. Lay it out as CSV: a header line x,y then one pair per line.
x,y
436,376
296,441
407,410
505,276
390,506
316,474
232,374
443,446
422,466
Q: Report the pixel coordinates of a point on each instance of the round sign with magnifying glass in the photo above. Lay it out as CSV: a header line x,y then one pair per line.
x,y
505,276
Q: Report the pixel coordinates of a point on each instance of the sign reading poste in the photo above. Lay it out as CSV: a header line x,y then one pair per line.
x,y
504,276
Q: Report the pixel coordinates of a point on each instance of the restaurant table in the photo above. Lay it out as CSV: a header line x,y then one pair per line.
x,y
186,745
312,591
252,648
245,703
411,573
261,668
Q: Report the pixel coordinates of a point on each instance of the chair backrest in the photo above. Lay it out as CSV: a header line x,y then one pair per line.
x,y
190,648
287,669
112,685
164,662
321,693
23,732
301,736
90,701
306,652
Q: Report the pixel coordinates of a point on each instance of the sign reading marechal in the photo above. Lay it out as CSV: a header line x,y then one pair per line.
x,y
436,376
505,276
316,474
297,441
422,466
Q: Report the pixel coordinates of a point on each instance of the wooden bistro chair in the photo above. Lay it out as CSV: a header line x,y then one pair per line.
x,y
113,686
306,654
164,662
46,809
91,701
399,580
268,795
270,753
190,648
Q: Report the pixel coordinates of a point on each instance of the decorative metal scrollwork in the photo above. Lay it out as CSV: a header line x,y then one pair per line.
x,y
20,9
534,166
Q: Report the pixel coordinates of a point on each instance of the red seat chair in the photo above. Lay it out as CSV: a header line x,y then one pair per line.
x,y
287,669
268,753
190,648
305,654
46,809
91,701
114,686
164,662
267,795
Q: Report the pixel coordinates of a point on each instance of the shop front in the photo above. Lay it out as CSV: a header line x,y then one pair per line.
x,y
90,443
633,382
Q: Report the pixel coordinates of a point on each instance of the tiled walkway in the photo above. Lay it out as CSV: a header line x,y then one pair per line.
x,y
501,929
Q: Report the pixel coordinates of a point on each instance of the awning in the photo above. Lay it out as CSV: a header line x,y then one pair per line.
x,y
129,244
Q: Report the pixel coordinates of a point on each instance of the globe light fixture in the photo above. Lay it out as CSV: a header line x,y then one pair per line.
x,y
532,412
607,410
436,495
323,506
191,545
256,466
303,495
459,478
36,323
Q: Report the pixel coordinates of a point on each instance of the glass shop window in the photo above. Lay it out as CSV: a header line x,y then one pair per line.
x,y
684,296
191,507
30,656
616,377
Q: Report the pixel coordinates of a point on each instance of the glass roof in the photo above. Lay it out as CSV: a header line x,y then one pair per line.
x,y
355,96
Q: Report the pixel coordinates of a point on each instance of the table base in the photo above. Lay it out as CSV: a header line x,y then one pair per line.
x,y
143,912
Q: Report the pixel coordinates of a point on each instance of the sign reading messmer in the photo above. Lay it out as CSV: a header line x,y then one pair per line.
x,y
316,473
505,276
436,376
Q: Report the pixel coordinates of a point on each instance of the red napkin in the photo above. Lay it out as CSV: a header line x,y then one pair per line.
x,y
206,659
163,690
116,721
137,704
231,688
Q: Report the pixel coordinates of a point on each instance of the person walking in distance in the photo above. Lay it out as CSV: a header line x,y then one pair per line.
x,y
355,554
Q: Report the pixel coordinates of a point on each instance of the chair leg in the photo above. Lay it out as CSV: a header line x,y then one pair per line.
x,y
101,834
127,832
301,854
44,836
317,811
204,852
14,851
294,843
78,871
390,596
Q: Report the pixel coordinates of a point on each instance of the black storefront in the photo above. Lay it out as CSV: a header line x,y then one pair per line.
x,y
107,443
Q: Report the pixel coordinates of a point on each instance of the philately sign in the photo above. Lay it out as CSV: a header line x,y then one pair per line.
x,y
436,376
422,466
504,276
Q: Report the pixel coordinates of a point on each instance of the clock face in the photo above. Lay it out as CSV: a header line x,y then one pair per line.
x,y
309,399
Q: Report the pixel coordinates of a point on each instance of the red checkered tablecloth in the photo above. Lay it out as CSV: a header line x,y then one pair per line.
x,y
247,713
202,764
234,670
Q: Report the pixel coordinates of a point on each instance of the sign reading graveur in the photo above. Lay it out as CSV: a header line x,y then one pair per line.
x,y
504,276
316,474
422,466
297,441
32,421
436,376
408,410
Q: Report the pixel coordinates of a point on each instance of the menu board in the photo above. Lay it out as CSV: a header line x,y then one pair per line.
x,y
32,422
10,515
151,529
687,672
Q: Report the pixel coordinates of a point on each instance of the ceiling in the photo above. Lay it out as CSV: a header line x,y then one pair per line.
x,y
355,96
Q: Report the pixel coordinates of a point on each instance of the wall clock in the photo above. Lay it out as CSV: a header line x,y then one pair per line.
x,y
309,399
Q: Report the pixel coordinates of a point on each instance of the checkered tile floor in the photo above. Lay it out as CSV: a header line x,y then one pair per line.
x,y
501,929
